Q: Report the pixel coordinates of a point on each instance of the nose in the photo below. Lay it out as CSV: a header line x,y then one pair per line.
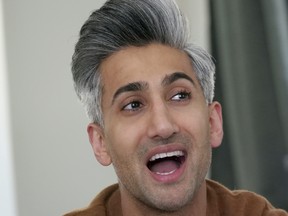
x,y
161,123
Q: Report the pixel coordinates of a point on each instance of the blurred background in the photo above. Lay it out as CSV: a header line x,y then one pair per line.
x,y
47,166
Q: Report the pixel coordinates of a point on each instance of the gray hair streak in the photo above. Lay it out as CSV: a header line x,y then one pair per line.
x,y
122,23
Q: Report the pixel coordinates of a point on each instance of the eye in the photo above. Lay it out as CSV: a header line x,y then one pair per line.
x,y
132,106
181,96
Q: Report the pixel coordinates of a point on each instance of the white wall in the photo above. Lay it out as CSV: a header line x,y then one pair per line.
x,y
7,184
197,12
54,164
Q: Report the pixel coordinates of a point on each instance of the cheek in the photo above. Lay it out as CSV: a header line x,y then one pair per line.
x,y
196,123
123,150
123,139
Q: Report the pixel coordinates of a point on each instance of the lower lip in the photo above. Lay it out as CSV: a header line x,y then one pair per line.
x,y
170,178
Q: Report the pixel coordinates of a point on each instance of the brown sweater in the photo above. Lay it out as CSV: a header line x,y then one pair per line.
x,y
220,202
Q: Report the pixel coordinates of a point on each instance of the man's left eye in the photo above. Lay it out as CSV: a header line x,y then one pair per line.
x,y
181,96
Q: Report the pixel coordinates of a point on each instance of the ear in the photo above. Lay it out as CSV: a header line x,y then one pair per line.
x,y
97,141
216,124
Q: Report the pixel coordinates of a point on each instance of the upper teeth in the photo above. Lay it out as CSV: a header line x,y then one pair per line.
x,y
168,154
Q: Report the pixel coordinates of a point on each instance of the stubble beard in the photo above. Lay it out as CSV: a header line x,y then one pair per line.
x,y
160,201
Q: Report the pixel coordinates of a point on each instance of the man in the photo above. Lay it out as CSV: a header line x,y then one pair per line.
x,y
149,95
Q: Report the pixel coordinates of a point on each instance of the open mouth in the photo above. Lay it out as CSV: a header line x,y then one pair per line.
x,y
165,164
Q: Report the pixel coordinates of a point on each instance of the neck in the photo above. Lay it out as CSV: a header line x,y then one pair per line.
x,y
196,207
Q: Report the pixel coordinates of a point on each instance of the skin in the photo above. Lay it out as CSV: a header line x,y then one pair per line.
x,y
165,110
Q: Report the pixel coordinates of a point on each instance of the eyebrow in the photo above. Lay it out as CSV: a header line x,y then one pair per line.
x,y
130,87
141,85
169,79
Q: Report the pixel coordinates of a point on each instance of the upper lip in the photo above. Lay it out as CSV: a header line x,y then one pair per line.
x,y
167,154
167,150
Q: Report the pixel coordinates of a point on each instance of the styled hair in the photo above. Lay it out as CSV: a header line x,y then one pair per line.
x,y
122,23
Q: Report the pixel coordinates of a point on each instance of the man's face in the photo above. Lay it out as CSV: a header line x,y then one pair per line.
x,y
158,126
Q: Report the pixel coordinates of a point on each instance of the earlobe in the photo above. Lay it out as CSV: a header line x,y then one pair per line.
x,y
216,124
97,141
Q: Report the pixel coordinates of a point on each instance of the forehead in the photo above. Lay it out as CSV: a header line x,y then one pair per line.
x,y
149,63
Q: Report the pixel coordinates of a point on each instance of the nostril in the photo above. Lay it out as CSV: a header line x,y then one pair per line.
x,y
162,122
162,131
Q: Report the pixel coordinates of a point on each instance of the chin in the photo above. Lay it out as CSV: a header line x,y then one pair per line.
x,y
170,201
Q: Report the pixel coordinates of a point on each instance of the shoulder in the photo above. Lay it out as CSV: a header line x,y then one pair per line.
x,y
238,202
99,205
